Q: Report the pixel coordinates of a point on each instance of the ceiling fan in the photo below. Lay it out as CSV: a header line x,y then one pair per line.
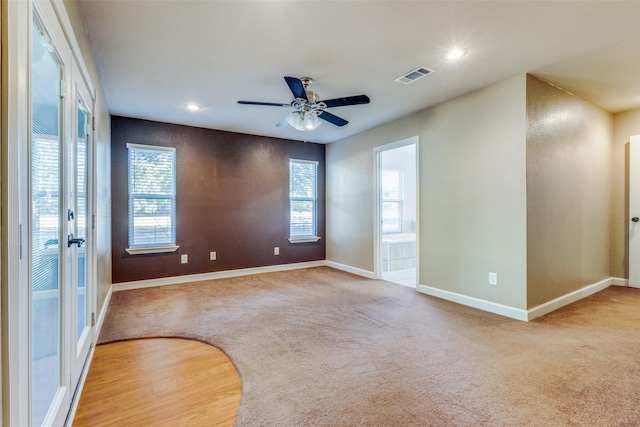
x,y
308,109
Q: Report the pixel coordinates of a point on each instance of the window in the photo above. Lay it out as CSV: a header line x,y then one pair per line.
x,y
152,199
391,201
303,201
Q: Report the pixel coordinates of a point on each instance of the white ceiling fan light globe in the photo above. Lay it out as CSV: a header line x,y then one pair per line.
x,y
295,121
303,121
311,121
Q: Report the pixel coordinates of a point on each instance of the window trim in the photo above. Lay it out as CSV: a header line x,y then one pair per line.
x,y
151,249
304,238
310,239
140,250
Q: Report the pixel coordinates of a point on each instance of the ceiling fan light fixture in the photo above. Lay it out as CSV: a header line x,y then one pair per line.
x,y
309,111
303,121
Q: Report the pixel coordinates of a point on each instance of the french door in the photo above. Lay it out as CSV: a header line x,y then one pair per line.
x,y
59,226
79,239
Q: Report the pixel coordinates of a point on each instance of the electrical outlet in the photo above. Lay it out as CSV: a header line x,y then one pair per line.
x,y
493,278
184,258
212,256
276,251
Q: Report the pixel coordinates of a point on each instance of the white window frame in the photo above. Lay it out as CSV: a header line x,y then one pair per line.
x,y
150,249
312,237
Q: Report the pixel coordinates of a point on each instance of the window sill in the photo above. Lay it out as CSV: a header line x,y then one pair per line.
x,y
306,239
139,250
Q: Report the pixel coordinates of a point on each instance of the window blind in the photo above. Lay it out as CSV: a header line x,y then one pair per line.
x,y
391,186
303,198
152,195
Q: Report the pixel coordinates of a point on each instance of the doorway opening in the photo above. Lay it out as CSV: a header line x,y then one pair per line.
x,y
397,191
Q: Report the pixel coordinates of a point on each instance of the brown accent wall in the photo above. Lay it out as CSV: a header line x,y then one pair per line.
x,y
232,198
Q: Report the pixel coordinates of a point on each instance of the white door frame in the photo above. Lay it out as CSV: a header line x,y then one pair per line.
x,y
15,178
634,211
378,203
15,301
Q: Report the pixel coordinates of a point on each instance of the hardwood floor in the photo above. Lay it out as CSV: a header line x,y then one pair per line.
x,y
159,382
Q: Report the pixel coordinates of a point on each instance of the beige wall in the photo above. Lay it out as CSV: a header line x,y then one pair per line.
x,y
472,193
102,153
568,192
625,125
514,178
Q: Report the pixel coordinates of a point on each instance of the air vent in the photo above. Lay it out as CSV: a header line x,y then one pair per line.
x,y
414,75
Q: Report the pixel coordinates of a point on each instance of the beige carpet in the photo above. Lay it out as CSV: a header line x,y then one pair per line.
x,y
319,347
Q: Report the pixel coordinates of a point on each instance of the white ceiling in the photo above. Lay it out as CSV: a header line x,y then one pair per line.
x,y
156,56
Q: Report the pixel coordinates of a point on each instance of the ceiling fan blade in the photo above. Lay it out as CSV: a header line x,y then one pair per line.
x,y
297,87
283,122
332,118
272,104
347,100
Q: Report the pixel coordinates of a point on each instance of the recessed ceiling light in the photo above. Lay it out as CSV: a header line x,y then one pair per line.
x,y
193,107
454,54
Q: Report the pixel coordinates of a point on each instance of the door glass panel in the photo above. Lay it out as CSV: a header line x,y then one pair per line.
x,y
81,219
45,231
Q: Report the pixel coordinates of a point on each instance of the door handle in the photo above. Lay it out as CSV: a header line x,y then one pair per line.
x,y
71,241
635,219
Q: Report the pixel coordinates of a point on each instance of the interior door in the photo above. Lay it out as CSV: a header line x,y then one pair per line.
x,y
79,228
634,212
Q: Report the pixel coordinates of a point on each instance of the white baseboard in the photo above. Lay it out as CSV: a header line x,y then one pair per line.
x,y
491,307
569,298
618,281
81,382
103,312
517,313
352,270
175,280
